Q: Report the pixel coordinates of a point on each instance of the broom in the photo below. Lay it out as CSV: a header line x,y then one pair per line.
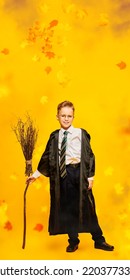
x,y
26,134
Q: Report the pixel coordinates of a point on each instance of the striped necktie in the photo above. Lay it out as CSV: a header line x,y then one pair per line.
x,y
63,156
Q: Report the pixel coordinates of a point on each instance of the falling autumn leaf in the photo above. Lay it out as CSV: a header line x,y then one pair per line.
x,y
5,51
69,9
119,189
63,78
4,91
108,171
81,13
121,65
123,216
37,24
38,227
103,21
48,69
35,32
36,58
13,177
62,60
62,41
64,26
44,8
127,232
3,205
53,23
50,55
126,130
8,225
31,36
1,202
45,33
47,47
24,44
125,125
44,99
37,154
49,33
38,185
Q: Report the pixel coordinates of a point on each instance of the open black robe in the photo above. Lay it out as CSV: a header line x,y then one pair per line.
x,y
49,167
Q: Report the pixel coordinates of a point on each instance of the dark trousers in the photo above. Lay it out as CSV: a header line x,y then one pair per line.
x,y
70,206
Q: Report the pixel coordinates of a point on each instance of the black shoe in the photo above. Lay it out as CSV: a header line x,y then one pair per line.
x,y
104,246
71,248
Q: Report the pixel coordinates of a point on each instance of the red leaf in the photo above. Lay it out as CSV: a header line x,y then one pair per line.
x,y
53,23
121,65
48,69
1,202
50,55
126,127
38,227
5,51
8,225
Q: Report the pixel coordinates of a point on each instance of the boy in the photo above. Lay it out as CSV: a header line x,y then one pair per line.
x,y
69,162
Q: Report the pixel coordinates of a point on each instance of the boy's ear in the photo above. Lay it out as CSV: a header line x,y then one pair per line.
x,y
57,117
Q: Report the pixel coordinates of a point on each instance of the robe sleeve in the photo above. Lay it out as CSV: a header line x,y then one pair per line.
x,y
91,156
92,164
43,166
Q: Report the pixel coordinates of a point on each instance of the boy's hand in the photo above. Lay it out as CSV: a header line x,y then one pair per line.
x,y
30,180
90,182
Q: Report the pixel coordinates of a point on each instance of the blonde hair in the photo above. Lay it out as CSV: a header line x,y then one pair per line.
x,y
65,104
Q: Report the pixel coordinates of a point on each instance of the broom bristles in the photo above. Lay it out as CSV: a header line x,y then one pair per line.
x,y
26,134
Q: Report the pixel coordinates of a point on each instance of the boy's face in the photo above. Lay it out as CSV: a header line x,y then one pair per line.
x,y
65,117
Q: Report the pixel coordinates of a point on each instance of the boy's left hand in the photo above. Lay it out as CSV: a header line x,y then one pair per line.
x,y
90,184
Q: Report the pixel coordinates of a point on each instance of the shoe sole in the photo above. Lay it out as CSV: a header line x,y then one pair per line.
x,y
105,249
73,250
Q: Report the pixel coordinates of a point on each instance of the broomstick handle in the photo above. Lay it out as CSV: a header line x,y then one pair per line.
x,y
24,215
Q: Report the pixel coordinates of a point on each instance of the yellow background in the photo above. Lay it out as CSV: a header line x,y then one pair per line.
x,y
91,68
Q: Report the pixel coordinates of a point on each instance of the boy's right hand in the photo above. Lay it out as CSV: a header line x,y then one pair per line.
x,y
30,180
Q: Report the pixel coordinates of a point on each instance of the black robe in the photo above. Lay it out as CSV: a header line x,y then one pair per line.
x,y
49,167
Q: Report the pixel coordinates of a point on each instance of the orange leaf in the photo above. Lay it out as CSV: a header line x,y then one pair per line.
x,y
8,225
1,202
5,51
53,23
38,227
48,46
121,65
126,127
48,69
50,55
126,130
37,25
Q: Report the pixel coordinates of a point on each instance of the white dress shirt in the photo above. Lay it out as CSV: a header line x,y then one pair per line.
x,y
73,148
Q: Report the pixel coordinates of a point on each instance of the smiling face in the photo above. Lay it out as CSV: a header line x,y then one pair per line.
x,y
65,117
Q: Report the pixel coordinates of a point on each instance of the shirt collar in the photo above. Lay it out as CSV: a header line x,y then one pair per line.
x,y
70,129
